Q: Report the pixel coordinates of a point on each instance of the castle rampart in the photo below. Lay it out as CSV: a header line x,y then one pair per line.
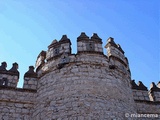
x,y
83,86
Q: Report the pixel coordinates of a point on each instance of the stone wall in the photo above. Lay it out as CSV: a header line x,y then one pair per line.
x,y
87,85
84,85
16,104
83,89
148,107
147,101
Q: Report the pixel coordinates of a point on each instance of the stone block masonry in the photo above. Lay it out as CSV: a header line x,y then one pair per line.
x,y
88,85
16,104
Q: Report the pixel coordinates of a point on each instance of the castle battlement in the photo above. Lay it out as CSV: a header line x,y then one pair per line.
x,y
86,85
59,53
9,77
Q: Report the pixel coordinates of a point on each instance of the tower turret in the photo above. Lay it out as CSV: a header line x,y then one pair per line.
x,y
93,45
56,49
40,60
82,84
117,59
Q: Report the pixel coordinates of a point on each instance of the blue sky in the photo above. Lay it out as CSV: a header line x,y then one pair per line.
x,y
29,26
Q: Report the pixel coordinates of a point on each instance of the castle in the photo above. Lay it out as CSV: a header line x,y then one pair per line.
x,y
88,85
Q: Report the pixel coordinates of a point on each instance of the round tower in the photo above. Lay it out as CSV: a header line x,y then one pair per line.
x,y
84,86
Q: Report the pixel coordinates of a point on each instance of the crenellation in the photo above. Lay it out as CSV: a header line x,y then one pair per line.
x,y
9,78
56,49
82,37
86,85
30,79
158,85
3,67
93,45
154,93
117,60
96,38
14,70
146,101
140,92
115,51
40,59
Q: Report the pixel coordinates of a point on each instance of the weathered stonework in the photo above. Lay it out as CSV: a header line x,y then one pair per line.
x,y
84,86
16,104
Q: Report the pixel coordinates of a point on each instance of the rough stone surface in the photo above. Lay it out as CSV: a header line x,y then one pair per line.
x,y
84,86
16,104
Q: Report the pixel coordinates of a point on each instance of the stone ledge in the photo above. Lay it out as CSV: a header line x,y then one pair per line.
x,y
12,101
148,102
70,63
89,40
121,61
17,89
56,57
92,52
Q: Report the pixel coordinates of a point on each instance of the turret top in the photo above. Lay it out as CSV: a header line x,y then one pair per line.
x,y
64,37
83,36
30,72
3,66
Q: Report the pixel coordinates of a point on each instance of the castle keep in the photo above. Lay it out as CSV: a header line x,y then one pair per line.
x,y
88,85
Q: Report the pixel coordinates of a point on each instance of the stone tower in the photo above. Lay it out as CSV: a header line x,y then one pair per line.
x,y
88,85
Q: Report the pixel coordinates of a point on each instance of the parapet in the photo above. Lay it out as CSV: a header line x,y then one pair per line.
x,y
116,57
30,79
56,49
9,77
84,44
59,53
141,93
53,64
115,51
154,92
40,60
